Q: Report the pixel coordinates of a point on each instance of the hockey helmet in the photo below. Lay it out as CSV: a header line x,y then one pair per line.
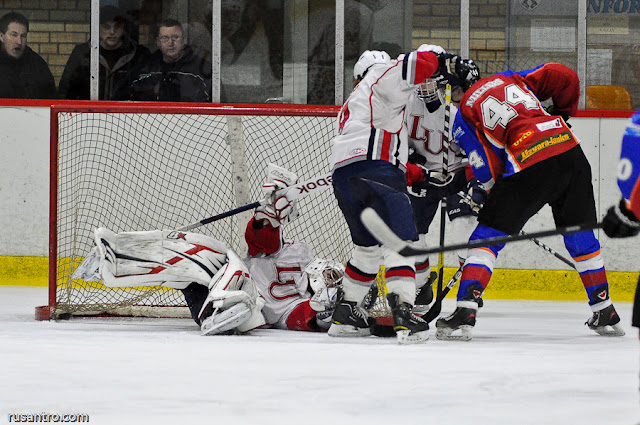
x,y
367,59
464,74
428,90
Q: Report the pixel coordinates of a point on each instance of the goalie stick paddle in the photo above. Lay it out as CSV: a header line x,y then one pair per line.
x,y
379,229
297,191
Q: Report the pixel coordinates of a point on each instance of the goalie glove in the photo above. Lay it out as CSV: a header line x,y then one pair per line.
x,y
277,210
620,222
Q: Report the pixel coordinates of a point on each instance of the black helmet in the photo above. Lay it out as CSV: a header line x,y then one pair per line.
x,y
460,72
467,72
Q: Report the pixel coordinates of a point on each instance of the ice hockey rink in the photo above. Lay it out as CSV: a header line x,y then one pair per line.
x,y
531,362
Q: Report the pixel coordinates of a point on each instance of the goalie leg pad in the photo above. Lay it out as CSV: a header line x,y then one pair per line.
x,y
256,319
225,320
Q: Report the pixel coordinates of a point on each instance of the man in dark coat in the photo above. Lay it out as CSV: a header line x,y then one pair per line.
x,y
25,75
121,61
176,74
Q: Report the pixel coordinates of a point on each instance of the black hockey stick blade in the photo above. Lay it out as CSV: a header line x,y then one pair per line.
x,y
379,229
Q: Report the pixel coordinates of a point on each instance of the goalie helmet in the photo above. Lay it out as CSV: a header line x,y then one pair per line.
x,y
325,278
366,60
324,273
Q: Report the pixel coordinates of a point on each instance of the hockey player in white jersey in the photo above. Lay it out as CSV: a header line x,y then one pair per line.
x,y
425,121
368,159
298,289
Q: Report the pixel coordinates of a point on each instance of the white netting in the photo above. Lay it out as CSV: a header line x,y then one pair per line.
x,y
144,171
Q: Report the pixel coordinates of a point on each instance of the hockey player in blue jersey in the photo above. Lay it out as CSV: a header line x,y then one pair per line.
x,y
623,219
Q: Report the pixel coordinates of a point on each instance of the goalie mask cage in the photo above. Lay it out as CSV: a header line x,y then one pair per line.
x,y
142,166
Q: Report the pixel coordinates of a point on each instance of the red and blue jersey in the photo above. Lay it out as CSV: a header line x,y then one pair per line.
x,y
502,126
629,166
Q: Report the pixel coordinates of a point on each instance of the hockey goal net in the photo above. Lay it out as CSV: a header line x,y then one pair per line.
x,y
130,167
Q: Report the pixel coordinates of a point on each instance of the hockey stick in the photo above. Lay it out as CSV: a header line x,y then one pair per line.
x,y
297,191
379,229
445,169
551,251
436,308
475,207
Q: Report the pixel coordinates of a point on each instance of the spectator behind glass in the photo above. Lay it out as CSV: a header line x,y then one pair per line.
x,y
24,74
176,74
121,61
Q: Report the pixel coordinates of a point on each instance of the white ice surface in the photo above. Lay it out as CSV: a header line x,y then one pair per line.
x,y
530,362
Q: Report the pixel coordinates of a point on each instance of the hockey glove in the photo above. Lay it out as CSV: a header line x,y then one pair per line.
x,y
280,212
446,67
419,179
620,222
551,110
416,158
438,50
277,210
476,195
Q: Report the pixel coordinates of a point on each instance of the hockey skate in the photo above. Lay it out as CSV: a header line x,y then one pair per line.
x,y
462,319
606,322
410,329
349,320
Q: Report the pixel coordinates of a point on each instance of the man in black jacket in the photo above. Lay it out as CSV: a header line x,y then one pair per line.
x,y
176,74
25,75
121,61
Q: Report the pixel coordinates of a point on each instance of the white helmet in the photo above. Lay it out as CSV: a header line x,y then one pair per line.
x,y
367,59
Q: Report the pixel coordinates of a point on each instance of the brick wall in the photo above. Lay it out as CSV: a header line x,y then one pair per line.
x,y
55,27
438,22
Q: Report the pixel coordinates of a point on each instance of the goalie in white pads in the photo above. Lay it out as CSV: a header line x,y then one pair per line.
x,y
299,290
221,293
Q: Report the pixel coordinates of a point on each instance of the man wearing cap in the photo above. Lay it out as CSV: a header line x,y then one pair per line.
x,y
121,61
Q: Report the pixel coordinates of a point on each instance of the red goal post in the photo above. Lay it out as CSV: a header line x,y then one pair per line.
x,y
143,166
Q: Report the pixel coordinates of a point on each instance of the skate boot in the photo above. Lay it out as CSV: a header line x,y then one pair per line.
x,y
463,318
410,329
349,320
605,322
